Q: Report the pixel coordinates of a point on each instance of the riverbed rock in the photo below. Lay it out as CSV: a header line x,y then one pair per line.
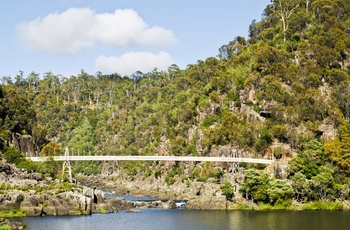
x,y
119,204
13,225
207,203
170,204
133,210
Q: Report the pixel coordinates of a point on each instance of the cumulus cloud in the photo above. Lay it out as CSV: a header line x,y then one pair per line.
x,y
77,29
129,63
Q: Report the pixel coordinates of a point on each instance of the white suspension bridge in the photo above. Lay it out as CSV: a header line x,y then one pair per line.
x,y
152,158
66,158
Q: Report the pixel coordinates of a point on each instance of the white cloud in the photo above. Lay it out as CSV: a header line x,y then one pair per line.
x,y
77,29
129,63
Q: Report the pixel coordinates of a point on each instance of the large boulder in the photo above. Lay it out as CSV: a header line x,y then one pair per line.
x,y
6,169
62,210
10,200
31,206
120,204
13,225
207,203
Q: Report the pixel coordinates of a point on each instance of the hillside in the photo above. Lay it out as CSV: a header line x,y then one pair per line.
x,y
283,92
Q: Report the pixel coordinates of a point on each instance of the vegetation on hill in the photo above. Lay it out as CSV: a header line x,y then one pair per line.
x,y
284,84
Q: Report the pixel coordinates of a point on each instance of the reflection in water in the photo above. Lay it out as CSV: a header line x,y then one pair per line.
x,y
195,219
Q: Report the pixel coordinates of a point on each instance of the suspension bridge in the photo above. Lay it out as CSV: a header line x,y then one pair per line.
x,y
152,158
67,158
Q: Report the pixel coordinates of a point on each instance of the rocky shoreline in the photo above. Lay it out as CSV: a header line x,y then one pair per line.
x,y
199,195
24,193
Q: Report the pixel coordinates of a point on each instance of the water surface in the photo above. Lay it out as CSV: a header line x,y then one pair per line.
x,y
196,219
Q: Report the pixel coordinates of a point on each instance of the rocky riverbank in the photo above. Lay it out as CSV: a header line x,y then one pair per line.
x,y
200,195
28,194
13,225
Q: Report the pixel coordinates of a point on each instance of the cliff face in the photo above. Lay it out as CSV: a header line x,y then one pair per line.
x,y
24,143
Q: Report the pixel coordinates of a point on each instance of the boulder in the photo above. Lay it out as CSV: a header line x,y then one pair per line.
x,y
120,204
62,210
31,206
170,204
50,210
14,225
208,203
133,210
10,200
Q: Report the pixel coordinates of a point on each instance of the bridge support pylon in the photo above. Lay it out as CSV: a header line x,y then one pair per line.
x,y
235,165
66,169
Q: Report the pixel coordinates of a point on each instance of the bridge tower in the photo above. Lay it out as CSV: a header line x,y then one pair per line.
x,y
66,169
235,165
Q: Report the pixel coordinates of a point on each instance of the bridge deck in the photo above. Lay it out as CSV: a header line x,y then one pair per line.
x,y
153,158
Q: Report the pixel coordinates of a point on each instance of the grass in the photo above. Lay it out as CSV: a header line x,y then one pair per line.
x,y
15,212
245,207
287,205
103,211
323,205
5,227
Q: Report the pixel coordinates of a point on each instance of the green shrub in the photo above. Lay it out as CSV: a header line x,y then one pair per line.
x,y
323,205
15,212
5,227
277,153
13,155
147,174
227,189
218,173
195,173
28,165
209,121
104,211
169,179
158,173
246,207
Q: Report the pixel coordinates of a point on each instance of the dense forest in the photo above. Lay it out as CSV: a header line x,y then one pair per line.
x,y
287,84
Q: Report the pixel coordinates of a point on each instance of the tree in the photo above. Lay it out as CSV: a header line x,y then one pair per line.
x,y
301,186
338,150
285,9
341,95
50,149
278,191
227,189
323,182
254,186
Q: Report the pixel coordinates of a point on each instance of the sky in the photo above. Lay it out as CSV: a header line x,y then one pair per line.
x,y
117,36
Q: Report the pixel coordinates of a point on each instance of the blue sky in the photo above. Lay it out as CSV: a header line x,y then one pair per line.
x,y
117,36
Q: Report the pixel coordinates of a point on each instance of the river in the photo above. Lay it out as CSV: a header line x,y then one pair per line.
x,y
195,219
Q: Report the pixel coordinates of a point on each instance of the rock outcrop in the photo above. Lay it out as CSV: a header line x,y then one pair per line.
x,y
24,143
38,197
13,225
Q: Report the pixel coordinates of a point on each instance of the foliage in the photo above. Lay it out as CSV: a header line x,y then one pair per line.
x,y
169,179
15,212
86,168
278,191
323,205
254,186
5,227
338,150
13,155
227,189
